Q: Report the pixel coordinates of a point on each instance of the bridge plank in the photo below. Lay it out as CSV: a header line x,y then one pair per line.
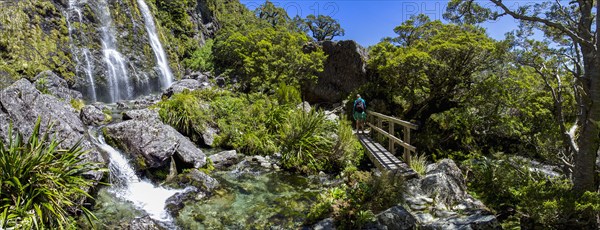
x,y
384,160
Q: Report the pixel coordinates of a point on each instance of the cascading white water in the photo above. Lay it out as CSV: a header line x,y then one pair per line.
x,y
159,52
76,9
118,81
126,185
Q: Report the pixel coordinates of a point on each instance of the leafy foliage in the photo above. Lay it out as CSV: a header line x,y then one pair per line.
x,y
183,112
202,58
304,140
508,183
418,163
261,124
352,204
41,184
262,58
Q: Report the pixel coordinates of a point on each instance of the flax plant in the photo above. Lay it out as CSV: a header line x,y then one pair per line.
x,y
41,185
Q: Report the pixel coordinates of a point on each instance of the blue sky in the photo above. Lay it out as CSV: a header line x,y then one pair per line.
x,y
367,22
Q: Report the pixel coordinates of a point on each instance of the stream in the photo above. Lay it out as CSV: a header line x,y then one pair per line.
x,y
248,196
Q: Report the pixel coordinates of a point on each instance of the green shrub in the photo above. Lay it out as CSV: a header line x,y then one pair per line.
x,y
261,124
41,184
540,200
287,95
77,104
352,205
347,151
183,111
418,163
201,58
305,139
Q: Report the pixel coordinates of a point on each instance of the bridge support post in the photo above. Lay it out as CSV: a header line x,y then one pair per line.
x,y
391,146
380,125
407,140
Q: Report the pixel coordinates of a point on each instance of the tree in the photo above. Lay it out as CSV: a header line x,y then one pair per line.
x,y
272,14
433,67
261,58
323,27
573,26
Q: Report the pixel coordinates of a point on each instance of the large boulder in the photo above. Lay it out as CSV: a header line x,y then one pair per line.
x,y
344,71
186,84
198,179
145,136
93,115
22,104
395,218
49,82
198,186
445,182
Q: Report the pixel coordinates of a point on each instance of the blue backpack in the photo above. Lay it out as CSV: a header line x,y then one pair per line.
x,y
360,106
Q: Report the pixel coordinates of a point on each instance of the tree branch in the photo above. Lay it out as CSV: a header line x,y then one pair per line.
x,y
546,22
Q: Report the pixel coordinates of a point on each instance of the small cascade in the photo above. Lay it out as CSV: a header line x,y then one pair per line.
x,y
159,52
74,13
126,185
118,81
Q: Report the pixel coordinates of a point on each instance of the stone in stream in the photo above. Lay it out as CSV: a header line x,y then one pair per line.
x,y
152,142
202,185
22,104
224,159
93,115
141,223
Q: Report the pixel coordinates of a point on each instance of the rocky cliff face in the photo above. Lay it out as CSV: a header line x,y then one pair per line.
x,y
345,70
69,38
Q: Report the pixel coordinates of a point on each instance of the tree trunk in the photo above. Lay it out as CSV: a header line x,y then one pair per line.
x,y
584,178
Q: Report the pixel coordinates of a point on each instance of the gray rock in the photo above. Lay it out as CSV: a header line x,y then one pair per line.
x,y
396,218
51,83
198,179
445,182
224,159
220,81
92,115
331,116
177,202
23,104
472,222
209,134
304,106
152,141
148,142
344,71
180,86
141,223
142,115
326,224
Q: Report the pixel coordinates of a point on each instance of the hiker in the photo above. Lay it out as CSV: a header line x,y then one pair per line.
x,y
360,113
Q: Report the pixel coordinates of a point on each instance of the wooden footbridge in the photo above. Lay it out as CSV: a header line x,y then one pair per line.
x,y
382,157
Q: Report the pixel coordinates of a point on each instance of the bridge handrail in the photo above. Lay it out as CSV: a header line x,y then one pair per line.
x,y
390,135
393,138
395,120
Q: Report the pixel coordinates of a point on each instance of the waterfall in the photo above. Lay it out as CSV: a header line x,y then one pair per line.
x,y
126,185
111,55
76,9
118,81
159,52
